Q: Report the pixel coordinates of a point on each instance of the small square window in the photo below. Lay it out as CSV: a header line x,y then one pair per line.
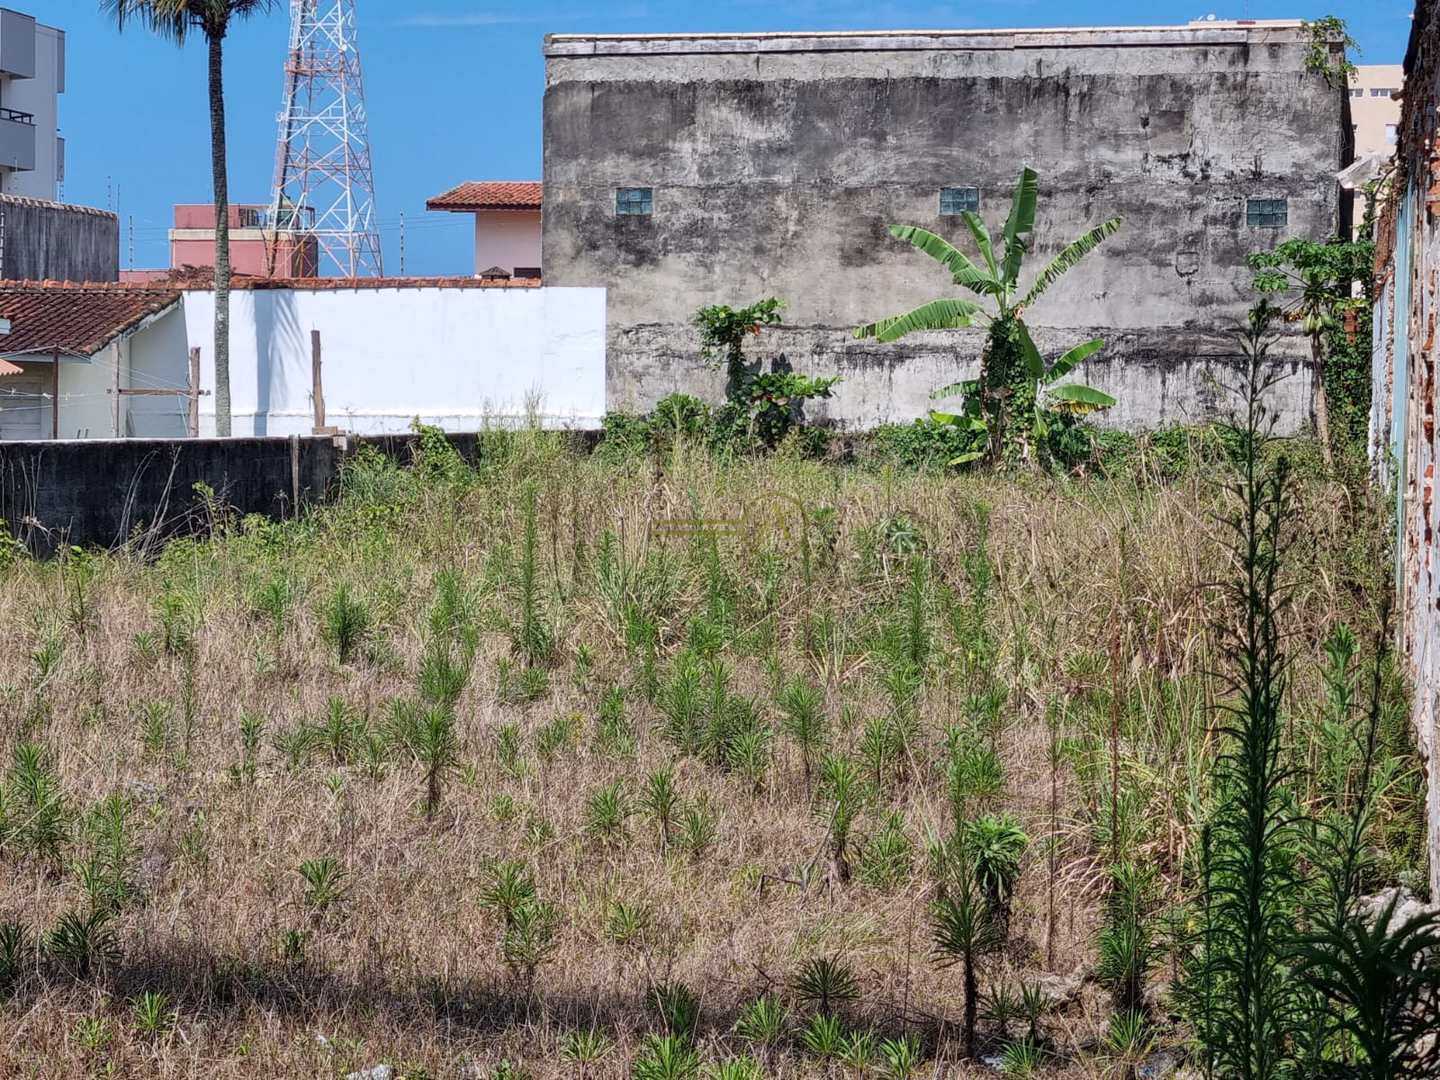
x,y
1379,91
634,200
1357,93
958,200
1267,213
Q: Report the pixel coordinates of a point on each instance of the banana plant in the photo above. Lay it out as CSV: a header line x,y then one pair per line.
x,y
1044,398
1010,360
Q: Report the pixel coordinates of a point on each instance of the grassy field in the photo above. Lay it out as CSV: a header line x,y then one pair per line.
x,y
570,766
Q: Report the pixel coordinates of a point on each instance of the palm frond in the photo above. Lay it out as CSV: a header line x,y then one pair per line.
x,y
1067,363
962,270
945,314
165,18
1019,224
1068,257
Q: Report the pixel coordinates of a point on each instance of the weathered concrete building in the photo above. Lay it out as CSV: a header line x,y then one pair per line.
x,y
1404,442
42,240
685,170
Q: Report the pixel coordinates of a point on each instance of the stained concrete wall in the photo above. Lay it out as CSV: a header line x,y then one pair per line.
x,y
1404,440
109,492
778,161
52,241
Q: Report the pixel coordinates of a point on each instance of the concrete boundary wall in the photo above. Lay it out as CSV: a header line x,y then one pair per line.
x,y
109,492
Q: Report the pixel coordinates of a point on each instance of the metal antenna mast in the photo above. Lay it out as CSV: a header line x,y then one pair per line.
x,y
324,184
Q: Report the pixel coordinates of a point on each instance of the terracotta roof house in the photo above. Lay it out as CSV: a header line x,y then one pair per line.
x,y
307,356
507,223
65,351
475,195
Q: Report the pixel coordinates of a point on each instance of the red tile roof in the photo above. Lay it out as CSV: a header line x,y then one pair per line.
x,y
193,278
79,319
490,195
7,368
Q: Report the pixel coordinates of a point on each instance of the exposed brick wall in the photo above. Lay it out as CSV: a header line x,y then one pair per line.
x,y
1403,431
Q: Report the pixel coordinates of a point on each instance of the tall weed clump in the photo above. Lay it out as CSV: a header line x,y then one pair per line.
x,y
1252,872
1289,975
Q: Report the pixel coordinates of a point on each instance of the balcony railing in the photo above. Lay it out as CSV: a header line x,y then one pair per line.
x,y
17,116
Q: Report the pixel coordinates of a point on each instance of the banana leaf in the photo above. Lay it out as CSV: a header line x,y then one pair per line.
x,y
1068,257
1020,224
944,314
1078,399
962,270
1067,363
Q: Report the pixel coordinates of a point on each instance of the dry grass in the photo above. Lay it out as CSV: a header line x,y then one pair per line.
x,y
1102,591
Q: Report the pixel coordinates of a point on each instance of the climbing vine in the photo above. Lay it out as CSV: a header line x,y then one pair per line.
x,y
1324,33
1326,289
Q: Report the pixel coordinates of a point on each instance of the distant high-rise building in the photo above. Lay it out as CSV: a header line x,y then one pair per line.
x,y
32,78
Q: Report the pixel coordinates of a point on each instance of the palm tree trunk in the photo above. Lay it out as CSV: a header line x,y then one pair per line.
x,y
1322,400
222,234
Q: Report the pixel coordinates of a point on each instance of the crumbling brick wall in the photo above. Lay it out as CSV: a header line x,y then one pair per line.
x,y
1402,432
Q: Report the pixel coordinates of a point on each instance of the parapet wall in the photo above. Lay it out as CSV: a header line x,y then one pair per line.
x,y
42,241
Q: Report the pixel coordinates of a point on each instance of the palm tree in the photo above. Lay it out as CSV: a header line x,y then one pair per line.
x,y
177,20
1010,367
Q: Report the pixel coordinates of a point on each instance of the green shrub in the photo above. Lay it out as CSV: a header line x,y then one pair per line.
x,y
624,435
923,444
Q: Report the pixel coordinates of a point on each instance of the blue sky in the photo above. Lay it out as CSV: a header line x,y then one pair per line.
x,y
454,90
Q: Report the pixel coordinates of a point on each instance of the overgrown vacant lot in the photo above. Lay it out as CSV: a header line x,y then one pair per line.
x,y
522,763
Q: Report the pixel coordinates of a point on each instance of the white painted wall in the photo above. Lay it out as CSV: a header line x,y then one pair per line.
x,y
456,358
39,96
158,357
506,238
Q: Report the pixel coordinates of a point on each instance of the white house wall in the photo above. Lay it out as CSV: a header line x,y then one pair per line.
x,y
457,358
84,398
158,358
508,239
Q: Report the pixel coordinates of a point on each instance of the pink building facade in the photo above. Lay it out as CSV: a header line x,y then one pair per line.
x,y
192,243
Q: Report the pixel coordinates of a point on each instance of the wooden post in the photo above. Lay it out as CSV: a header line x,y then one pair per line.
x,y
115,387
317,392
194,422
55,397
294,476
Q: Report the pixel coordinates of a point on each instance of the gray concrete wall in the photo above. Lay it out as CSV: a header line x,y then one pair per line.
x,y
51,241
778,161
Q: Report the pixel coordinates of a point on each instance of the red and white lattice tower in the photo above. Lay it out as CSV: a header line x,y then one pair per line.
x,y
324,183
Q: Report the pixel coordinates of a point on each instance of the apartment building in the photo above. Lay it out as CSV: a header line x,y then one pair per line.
x,y
1375,107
